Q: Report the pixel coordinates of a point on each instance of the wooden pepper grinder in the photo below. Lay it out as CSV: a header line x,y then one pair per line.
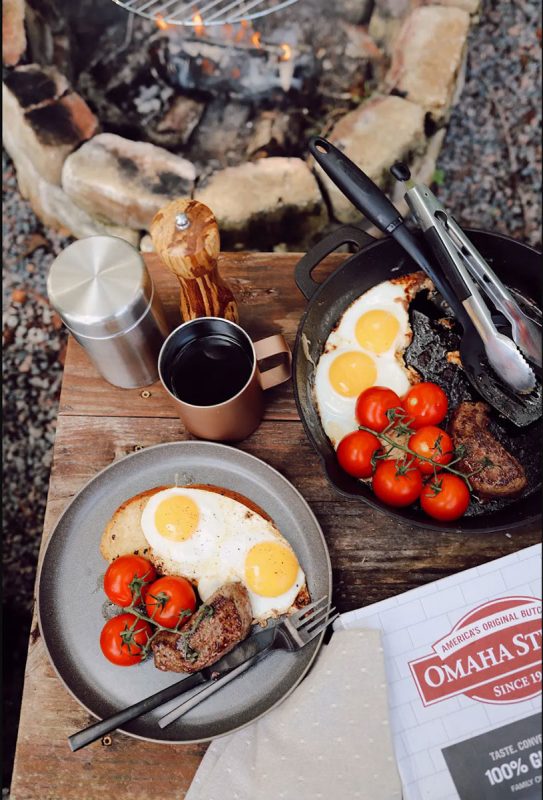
x,y
186,237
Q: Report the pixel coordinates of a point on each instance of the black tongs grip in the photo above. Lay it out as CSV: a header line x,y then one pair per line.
x,y
459,286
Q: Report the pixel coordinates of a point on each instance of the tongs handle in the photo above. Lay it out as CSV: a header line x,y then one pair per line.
x,y
433,221
443,257
463,285
478,267
501,351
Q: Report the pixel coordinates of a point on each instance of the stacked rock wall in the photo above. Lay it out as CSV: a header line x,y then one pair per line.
x,y
83,181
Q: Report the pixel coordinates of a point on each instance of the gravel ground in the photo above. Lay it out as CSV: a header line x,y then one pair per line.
x,y
34,344
491,159
491,171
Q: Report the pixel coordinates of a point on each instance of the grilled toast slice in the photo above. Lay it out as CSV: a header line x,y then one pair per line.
x,y
123,534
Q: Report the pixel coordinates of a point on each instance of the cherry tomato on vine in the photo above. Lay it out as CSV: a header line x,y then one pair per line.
x,y
431,442
167,598
446,498
425,404
372,406
397,483
122,639
355,453
125,574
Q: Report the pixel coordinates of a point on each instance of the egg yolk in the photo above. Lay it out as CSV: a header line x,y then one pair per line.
x,y
376,330
351,373
270,569
176,517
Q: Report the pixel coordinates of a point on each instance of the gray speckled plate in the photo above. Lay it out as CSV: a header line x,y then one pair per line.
x,y
70,597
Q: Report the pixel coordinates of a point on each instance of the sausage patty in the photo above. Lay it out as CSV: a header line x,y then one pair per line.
x,y
505,476
215,629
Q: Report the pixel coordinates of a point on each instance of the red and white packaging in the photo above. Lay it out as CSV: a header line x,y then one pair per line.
x,y
463,664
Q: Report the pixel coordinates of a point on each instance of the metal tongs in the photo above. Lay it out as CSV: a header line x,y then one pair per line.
x,y
469,276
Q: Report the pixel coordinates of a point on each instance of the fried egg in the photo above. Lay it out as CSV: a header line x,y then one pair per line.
x,y
365,349
183,526
212,539
260,558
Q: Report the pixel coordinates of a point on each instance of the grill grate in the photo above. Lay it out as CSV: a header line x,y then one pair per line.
x,y
209,12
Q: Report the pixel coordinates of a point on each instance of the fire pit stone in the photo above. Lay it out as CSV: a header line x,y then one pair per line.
x,y
253,199
383,130
43,118
178,123
233,105
471,6
123,181
388,17
13,31
53,206
427,56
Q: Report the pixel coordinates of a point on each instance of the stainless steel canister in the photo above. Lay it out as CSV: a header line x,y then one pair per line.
x,y
102,290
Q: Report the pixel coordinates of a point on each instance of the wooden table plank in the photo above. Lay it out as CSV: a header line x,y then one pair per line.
x,y
373,556
269,302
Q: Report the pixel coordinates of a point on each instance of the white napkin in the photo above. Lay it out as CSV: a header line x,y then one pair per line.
x,y
329,739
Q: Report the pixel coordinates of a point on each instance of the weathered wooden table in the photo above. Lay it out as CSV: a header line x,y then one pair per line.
x,y
373,556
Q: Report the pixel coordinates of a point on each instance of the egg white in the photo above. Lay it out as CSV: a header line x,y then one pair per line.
x,y
336,412
387,296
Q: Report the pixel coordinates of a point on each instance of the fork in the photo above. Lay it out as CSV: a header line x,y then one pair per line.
x,y
292,634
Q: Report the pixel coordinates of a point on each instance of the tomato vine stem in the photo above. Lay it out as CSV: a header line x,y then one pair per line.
x,y
397,422
133,608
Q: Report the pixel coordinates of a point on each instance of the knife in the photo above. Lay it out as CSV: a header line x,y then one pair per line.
x,y
249,649
209,689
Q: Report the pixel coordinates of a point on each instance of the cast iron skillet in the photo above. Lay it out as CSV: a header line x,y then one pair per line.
x,y
378,260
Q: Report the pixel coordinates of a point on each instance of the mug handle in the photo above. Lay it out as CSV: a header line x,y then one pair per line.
x,y
270,346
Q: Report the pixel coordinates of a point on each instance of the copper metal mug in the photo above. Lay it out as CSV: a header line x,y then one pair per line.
x,y
238,416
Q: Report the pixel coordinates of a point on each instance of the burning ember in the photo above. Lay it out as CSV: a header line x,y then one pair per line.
x,y
232,59
286,52
244,28
199,27
286,66
242,34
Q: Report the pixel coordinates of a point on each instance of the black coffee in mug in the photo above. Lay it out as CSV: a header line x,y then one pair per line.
x,y
210,370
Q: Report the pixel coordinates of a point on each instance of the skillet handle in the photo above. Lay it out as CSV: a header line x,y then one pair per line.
x,y
347,234
363,193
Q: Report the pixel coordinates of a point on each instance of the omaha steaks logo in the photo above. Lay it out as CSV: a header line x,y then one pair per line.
x,y
493,654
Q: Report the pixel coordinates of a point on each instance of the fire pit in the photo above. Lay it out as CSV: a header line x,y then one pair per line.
x,y
176,86
145,100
